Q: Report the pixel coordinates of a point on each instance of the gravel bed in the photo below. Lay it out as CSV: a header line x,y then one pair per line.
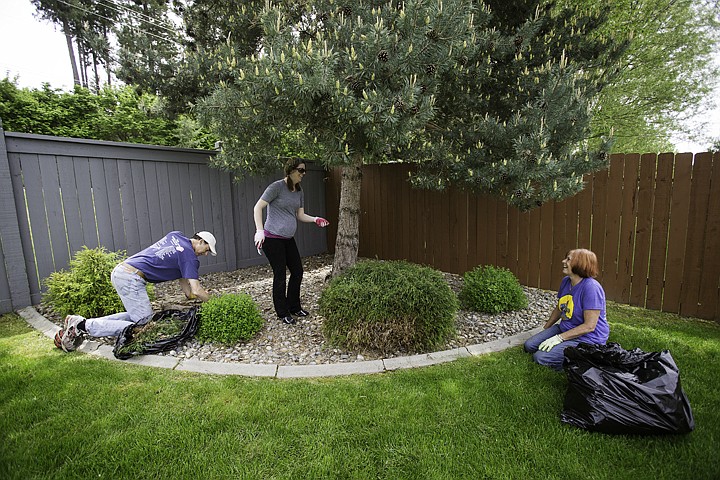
x,y
303,343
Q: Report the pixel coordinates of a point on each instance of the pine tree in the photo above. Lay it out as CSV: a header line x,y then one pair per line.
x,y
482,96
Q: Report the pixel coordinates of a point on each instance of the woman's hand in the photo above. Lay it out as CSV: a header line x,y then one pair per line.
x,y
321,222
550,343
259,239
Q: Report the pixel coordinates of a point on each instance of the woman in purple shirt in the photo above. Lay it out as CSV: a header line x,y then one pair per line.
x,y
284,201
580,310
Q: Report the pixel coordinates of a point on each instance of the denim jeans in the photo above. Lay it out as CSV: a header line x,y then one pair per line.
x,y
283,255
131,289
554,358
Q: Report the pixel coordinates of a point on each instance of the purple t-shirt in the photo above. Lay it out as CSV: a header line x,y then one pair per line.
x,y
573,301
170,258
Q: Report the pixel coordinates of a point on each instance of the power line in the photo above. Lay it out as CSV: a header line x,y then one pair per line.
x,y
142,17
113,21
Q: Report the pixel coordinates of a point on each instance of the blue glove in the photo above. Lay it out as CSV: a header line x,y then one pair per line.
x,y
548,344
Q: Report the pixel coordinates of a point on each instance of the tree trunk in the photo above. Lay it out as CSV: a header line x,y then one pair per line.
x,y
83,65
348,234
71,51
97,74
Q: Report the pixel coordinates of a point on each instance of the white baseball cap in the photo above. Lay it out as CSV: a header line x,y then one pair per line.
x,y
209,239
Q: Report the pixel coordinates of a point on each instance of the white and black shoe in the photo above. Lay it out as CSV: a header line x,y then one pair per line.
x,y
288,319
301,313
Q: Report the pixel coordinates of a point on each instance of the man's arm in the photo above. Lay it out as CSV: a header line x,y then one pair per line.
x,y
192,289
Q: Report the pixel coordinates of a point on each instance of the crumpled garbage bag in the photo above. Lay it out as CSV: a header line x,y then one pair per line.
x,y
612,390
166,329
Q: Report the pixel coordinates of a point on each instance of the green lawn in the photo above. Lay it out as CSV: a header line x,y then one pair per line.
x,y
495,417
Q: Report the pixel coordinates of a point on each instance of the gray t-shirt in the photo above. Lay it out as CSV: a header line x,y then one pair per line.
x,y
282,209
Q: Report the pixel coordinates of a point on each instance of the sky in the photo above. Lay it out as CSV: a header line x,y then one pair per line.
x,y
35,51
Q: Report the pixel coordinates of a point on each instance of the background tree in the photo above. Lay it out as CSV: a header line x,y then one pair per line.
x,y
665,76
149,46
491,97
715,146
87,25
115,113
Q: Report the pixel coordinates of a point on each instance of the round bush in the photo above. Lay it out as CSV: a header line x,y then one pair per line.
x,y
492,290
229,319
388,306
85,288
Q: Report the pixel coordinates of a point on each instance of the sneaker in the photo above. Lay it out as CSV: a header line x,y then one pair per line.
x,y
70,337
288,319
301,313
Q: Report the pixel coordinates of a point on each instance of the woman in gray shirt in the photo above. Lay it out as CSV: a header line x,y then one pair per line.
x,y
284,202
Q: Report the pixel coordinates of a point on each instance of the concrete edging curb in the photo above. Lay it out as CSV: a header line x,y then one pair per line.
x,y
49,329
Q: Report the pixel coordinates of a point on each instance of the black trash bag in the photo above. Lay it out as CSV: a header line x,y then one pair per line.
x,y
612,390
182,323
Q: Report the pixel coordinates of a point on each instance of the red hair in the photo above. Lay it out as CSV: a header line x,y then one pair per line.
x,y
584,263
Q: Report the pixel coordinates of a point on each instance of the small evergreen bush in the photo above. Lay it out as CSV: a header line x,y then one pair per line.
x,y
85,288
229,319
388,306
492,290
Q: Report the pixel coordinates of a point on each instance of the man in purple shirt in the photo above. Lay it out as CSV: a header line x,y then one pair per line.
x,y
174,257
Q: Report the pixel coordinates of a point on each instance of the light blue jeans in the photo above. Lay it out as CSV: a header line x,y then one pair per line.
x,y
554,358
131,288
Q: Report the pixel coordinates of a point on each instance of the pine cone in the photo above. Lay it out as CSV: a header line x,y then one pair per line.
x,y
383,56
423,88
415,109
430,69
347,11
432,35
399,104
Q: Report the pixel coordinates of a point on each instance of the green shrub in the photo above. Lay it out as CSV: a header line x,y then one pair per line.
x,y
85,288
229,319
492,290
388,306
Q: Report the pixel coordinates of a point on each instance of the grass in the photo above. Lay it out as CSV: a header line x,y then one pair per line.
x,y
490,417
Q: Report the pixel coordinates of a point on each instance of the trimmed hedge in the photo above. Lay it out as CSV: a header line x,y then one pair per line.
x,y
388,306
492,290
229,319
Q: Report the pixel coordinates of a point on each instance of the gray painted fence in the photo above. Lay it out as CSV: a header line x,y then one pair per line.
x,y
60,194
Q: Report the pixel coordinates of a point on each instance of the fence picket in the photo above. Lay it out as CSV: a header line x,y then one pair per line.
x,y
694,251
708,295
613,219
678,230
659,240
641,253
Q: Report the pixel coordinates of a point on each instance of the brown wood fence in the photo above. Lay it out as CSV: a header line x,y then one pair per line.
x,y
653,220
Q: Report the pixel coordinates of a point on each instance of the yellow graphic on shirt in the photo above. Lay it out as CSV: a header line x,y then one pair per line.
x,y
566,307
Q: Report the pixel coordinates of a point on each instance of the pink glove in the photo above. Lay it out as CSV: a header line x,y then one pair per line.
x,y
321,222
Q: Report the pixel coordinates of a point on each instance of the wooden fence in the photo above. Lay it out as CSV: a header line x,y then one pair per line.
x,y
653,221
60,194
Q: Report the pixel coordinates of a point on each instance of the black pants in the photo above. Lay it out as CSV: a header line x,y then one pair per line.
x,y
283,254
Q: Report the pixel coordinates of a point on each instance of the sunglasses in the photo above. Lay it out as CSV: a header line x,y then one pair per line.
x,y
301,170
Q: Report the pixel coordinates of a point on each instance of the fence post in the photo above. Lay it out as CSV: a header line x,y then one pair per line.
x,y
13,275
